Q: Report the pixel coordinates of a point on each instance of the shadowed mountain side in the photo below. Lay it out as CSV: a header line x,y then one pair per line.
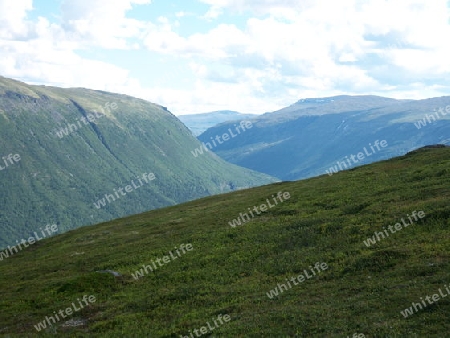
x,y
84,155
309,141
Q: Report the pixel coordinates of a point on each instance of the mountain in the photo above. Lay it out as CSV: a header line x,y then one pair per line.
x,y
198,123
364,251
76,157
335,104
316,136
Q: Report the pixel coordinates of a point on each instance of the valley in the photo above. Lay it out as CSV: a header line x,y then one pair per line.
x,y
224,168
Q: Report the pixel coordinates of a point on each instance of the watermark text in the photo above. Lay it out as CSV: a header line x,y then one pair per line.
x,y
377,236
53,319
9,160
360,156
243,126
128,188
146,269
318,267
244,217
208,327
49,230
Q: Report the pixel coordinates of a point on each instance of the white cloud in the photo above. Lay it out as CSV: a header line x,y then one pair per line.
x,y
220,42
213,13
322,46
260,7
12,18
285,50
41,61
41,52
100,23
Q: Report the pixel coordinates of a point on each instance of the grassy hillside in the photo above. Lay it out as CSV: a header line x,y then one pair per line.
x,y
309,137
229,271
67,165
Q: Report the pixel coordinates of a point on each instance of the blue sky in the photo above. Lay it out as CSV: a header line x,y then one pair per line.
x,y
253,56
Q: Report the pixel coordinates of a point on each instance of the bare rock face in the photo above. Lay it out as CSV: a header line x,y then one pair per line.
x,y
114,273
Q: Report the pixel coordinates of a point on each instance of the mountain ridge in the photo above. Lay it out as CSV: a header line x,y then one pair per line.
x,y
99,149
305,143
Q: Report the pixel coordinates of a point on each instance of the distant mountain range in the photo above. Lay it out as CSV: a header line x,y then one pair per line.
x,y
76,157
198,123
325,135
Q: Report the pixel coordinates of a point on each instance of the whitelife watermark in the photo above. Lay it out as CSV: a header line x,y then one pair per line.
x,y
166,259
90,118
377,236
244,125
50,229
128,188
318,267
9,160
208,328
430,299
281,196
68,311
432,118
360,155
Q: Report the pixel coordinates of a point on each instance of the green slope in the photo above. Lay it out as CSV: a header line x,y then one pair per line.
x,y
230,270
59,178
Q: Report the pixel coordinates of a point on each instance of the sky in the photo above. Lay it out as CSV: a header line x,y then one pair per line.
x,y
252,56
